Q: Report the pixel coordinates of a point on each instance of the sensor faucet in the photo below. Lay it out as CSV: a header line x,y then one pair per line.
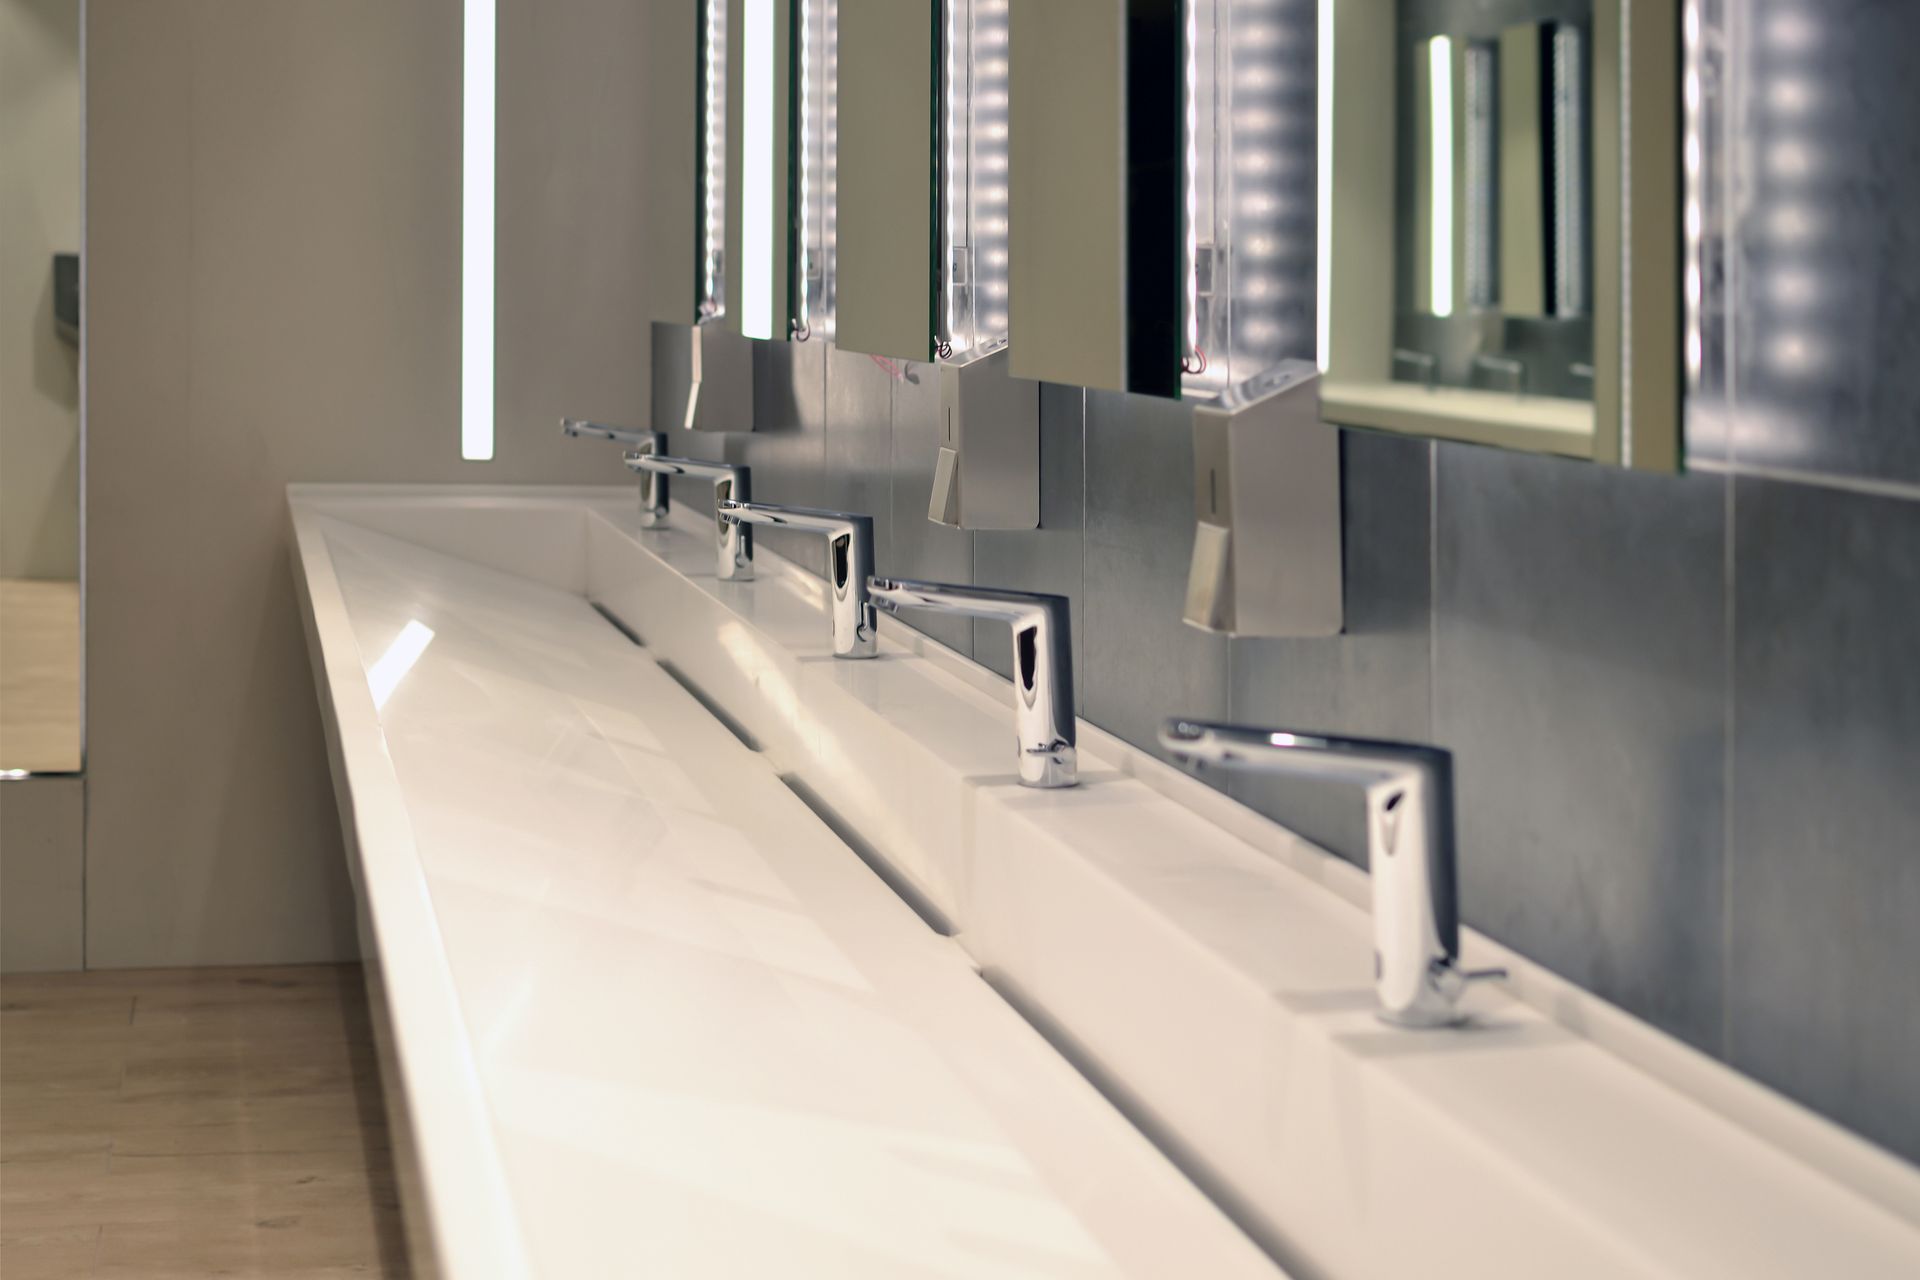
x,y
1410,851
730,483
849,562
1042,664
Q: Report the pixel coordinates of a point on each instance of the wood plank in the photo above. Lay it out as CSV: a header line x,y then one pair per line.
x,y
193,1122
39,675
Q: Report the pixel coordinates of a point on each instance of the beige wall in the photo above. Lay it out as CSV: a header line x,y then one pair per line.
x,y
39,216
42,824
273,293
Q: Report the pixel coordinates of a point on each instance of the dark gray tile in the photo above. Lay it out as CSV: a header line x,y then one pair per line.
x,y
1823,979
1827,260
1051,558
1579,678
1371,681
920,548
1141,662
859,447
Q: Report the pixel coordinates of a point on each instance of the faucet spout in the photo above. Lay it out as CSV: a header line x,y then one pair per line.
x,y
849,563
1410,850
1042,665
731,482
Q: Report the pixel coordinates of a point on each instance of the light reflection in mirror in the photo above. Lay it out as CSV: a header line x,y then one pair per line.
x,y
1440,217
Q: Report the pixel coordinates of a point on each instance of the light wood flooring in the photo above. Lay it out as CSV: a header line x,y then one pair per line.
x,y
39,675
203,1122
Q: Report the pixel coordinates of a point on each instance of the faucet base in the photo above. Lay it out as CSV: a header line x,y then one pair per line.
x,y
1050,769
1422,1019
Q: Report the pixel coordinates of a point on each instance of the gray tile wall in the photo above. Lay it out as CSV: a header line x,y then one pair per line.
x,y
1685,710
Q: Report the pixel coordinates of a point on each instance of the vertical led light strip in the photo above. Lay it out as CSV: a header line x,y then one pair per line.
x,y
1323,214
713,163
987,157
1440,68
756,181
476,235
1693,217
1569,172
1479,71
971,312
822,318
809,125
953,222
1193,362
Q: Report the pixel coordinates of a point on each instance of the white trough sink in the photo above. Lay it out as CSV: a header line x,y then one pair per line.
x,y
562,859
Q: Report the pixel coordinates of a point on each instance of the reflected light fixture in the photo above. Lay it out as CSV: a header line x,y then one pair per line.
x,y
476,234
1440,55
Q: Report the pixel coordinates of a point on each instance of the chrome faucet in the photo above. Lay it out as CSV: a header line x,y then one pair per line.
x,y
730,483
1042,665
653,487
1417,978
849,562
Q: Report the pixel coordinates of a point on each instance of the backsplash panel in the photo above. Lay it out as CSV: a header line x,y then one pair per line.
x,y
1823,976
1052,558
1372,681
1579,679
1142,662
1604,650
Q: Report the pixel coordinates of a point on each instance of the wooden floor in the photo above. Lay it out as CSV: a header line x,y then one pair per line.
x,y
206,1122
39,675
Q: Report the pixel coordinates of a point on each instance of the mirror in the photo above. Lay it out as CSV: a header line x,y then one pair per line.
x,y
921,258
1495,254
920,251
1161,212
1098,193
746,148
763,174
884,254
40,334
751,79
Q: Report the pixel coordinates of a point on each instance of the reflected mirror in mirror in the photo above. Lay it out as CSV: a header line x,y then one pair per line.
x,y
40,163
1493,207
1479,247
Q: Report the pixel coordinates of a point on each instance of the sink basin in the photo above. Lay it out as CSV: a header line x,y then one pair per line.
x,y
640,1009
1202,973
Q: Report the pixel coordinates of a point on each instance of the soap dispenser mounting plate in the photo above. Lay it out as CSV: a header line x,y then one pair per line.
x,y
1267,546
702,378
987,472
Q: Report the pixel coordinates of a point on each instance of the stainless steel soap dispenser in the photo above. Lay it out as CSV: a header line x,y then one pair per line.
x,y
1267,547
987,473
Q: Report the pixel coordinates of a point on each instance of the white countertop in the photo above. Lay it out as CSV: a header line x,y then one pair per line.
x,y
702,1037
1208,968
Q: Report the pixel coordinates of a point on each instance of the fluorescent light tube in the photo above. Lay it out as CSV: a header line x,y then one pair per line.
x,y
756,186
476,235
